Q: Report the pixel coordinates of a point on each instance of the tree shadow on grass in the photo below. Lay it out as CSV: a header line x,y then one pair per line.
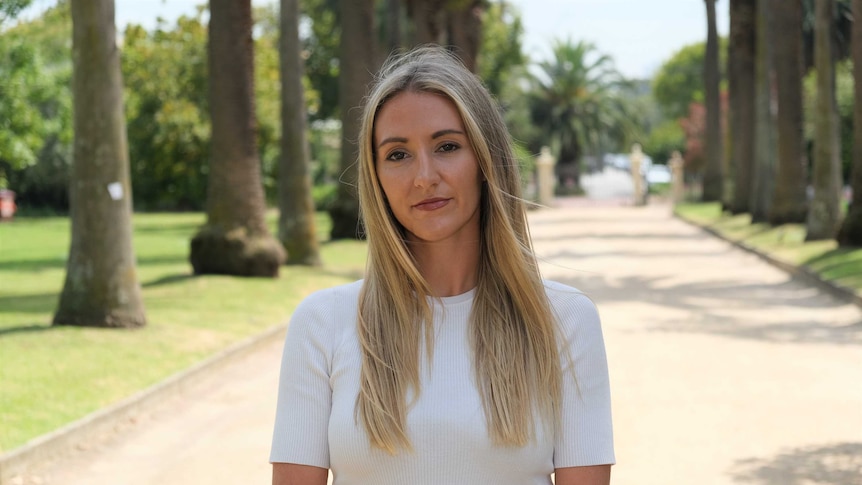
x,y
168,279
837,464
28,303
35,328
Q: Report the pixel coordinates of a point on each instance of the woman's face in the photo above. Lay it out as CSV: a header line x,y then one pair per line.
x,y
427,169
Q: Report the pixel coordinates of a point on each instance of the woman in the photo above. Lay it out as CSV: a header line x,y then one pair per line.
x,y
452,362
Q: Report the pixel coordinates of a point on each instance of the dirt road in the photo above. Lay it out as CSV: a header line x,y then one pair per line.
x,y
724,370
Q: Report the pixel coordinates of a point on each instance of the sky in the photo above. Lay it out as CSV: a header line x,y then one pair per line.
x,y
639,35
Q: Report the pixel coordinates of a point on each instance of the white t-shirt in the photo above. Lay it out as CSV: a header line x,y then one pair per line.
x,y
316,423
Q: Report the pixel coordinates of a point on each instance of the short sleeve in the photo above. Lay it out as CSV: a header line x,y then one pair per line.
x,y
300,433
585,435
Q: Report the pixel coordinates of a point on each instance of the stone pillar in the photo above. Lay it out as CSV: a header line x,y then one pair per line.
x,y
545,179
636,159
677,177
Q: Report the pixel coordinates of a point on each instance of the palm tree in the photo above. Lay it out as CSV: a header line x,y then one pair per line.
x,y
296,216
576,97
741,72
741,60
235,239
712,174
101,287
789,203
824,211
464,19
763,182
851,230
357,65
741,81
428,18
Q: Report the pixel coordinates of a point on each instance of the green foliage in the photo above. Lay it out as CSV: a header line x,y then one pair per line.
x,y
321,52
502,34
267,86
663,140
36,109
679,81
53,375
9,9
168,121
844,97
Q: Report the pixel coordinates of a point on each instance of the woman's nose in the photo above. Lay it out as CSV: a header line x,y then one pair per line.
x,y
426,172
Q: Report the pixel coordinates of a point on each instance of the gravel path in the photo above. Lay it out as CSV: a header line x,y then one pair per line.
x,y
724,370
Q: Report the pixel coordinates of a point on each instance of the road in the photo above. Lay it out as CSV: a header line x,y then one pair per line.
x,y
724,370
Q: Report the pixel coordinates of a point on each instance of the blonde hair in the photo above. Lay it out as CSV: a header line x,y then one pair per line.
x,y
514,334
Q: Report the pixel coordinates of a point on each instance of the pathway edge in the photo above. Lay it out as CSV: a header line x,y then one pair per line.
x,y
65,440
802,272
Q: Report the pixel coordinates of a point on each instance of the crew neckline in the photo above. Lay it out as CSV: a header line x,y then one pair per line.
x,y
454,299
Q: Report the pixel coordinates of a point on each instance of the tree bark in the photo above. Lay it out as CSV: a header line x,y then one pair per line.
x,y
357,66
824,212
101,287
713,172
789,202
394,39
742,56
428,19
296,215
465,32
851,230
235,239
764,139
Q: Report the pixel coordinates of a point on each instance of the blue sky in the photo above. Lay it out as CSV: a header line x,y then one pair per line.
x,y
639,34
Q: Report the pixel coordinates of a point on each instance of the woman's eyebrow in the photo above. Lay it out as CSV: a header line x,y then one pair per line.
x,y
392,139
435,135
438,134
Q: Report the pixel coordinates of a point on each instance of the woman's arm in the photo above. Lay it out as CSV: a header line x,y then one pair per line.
x,y
583,475
293,474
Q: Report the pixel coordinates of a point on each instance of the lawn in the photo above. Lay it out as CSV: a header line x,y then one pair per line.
x,y
841,266
51,376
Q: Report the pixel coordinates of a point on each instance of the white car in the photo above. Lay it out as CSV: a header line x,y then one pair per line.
x,y
658,174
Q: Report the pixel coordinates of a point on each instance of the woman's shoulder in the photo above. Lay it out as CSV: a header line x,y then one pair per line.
x,y
329,307
345,295
572,306
562,293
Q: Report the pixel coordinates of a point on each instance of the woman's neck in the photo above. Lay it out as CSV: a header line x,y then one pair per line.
x,y
448,270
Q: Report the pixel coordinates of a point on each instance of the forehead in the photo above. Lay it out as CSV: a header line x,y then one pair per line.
x,y
410,110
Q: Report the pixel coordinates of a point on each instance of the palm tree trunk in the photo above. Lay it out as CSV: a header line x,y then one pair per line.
x,y
742,57
851,230
296,216
824,211
428,19
101,287
764,139
789,202
235,239
357,66
394,39
465,32
712,176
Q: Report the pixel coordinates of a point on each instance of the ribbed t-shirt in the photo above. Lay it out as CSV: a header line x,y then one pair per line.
x,y
316,423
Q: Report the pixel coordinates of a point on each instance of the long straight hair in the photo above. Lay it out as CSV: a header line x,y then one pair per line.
x,y
514,336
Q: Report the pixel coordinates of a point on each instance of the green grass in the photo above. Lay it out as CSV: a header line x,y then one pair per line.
x,y
51,376
786,242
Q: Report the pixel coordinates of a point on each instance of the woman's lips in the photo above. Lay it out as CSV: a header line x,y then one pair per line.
x,y
431,204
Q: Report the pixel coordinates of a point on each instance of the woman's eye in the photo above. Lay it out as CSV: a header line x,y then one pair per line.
x,y
396,156
448,147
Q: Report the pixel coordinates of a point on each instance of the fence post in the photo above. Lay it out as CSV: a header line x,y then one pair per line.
x,y
677,177
545,182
